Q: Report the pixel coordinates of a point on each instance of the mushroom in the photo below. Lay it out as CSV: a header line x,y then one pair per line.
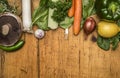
x,y
10,29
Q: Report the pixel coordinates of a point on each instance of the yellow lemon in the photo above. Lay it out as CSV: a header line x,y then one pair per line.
x,y
107,29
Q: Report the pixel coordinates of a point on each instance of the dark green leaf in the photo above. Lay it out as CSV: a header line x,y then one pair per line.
x,y
61,8
40,15
114,41
103,43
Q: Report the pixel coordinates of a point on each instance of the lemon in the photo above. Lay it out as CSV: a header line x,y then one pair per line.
x,y
107,29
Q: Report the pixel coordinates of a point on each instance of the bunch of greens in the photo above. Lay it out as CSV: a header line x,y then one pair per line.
x,y
61,9
5,7
41,14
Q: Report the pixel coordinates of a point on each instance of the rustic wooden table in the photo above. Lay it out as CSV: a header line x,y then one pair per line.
x,y
56,57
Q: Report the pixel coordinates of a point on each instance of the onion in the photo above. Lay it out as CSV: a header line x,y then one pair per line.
x,y
89,25
39,33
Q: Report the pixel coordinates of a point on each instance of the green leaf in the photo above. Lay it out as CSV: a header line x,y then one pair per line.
x,y
66,23
103,43
5,7
114,41
40,15
61,9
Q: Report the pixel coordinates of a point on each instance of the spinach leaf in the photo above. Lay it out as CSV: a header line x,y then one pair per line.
x,y
103,43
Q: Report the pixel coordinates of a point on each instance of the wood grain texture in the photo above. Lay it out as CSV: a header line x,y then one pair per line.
x,y
22,63
57,57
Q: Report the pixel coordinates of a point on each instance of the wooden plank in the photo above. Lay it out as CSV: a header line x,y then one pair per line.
x,y
22,63
2,59
76,57
96,63
59,57
56,57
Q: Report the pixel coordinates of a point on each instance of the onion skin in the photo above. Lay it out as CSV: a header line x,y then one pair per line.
x,y
89,25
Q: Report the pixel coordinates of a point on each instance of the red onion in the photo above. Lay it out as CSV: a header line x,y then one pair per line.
x,y
89,25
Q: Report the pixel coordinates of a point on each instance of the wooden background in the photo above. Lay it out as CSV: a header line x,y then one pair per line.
x,y
56,57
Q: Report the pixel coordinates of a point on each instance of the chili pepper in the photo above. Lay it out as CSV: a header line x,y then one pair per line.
x,y
15,47
108,9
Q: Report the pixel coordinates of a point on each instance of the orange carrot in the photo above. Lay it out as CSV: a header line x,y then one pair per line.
x,y
71,10
77,17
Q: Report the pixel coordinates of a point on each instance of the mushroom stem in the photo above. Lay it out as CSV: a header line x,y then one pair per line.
x,y
5,29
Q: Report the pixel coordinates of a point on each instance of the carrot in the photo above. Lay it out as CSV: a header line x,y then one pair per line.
x,y
77,17
71,10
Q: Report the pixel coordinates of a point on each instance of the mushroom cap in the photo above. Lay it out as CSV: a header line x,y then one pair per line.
x,y
10,29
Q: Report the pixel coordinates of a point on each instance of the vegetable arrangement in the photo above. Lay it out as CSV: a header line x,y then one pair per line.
x,y
108,28
81,14
52,14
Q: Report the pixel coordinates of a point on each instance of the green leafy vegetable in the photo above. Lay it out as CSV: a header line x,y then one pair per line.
x,y
5,7
40,15
103,43
61,8
114,41
66,23
108,9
